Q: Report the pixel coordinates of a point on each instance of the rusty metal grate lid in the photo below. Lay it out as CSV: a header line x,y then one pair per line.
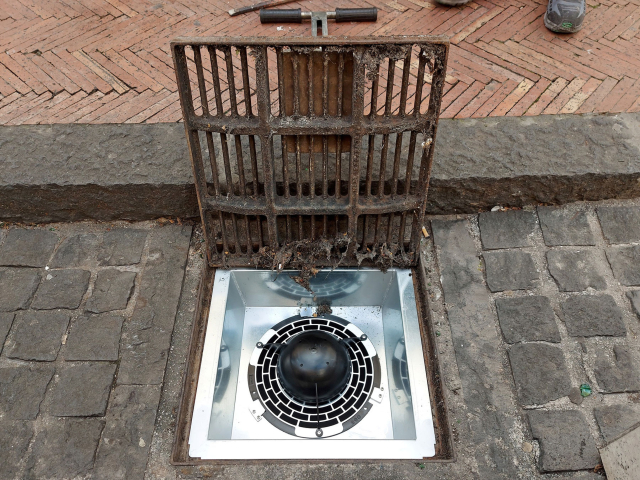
x,y
311,152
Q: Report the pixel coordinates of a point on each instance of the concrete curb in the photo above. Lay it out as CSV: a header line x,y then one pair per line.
x,y
137,172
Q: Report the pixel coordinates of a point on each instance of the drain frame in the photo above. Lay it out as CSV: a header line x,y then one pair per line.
x,y
443,434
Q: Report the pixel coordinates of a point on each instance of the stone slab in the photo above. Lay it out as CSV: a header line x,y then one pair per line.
x,y
620,224
540,373
593,315
37,335
122,246
477,348
527,319
147,335
127,435
6,320
27,247
14,442
564,227
625,263
621,459
617,373
76,251
634,298
82,389
96,337
61,289
510,270
22,389
111,291
575,271
139,172
509,229
614,420
565,441
65,448
17,286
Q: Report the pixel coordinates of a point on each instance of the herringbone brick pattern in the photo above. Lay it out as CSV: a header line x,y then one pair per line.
x,y
108,61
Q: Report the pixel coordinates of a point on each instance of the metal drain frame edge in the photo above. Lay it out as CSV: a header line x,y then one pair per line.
x,y
445,452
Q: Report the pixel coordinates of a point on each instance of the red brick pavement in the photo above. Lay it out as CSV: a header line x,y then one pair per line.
x,y
108,61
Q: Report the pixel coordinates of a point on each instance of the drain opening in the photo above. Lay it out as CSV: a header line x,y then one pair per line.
x,y
303,418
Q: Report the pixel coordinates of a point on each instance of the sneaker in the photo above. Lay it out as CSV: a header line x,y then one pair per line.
x,y
453,3
565,16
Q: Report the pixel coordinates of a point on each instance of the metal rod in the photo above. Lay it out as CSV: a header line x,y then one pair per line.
x,y
406,70
245,81
231,81
419,83
390,77
396,163
214,164
213,57
201,84
254,163
240,161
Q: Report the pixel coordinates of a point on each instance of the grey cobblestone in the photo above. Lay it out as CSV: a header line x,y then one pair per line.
x,y
510,229
593,315
77,251
575,271
6,320
22,389
620,224
82,389
59,400
112,291
527,319
477,350
18,286
561,226
96,337
65,448
37,335
510,270
540,373
147,335
122,247
122,454
565,441
14,442
625,263
634,298
614,420
617,372
61,289
27,248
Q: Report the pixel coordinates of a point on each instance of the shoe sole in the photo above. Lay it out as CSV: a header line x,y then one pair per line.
x,y
558,28
453,3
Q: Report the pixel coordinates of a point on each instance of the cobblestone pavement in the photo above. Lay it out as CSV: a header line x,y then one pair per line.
x,y
547,299
528,306
108,61
86,318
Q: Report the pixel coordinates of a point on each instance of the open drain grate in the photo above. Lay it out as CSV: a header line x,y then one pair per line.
x,y
300,418
311,151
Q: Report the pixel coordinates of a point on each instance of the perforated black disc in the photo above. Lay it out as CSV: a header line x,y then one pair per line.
x,y
299,418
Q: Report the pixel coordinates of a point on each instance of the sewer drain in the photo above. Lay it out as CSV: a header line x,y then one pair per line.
x,y
308,419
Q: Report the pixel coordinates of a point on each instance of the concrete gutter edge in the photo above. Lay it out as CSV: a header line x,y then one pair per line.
x,y
136,172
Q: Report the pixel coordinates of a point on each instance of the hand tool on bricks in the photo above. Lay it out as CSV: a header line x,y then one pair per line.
x,y
319,19
257,6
